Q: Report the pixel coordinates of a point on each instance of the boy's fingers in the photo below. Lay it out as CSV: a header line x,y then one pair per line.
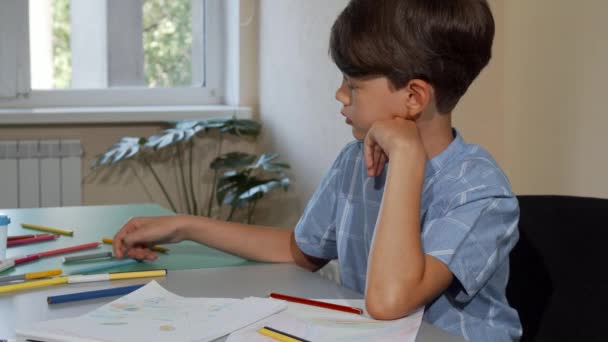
x,y
381,163
141,253
377,156
118,243
368,154
369,159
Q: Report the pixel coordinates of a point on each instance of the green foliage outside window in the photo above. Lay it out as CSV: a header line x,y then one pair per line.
x,y
167,43
62,57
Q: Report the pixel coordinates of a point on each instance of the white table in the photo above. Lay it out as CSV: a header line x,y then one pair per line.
x,y
236,282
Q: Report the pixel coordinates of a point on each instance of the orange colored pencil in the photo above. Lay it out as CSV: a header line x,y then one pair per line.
x,y
316,303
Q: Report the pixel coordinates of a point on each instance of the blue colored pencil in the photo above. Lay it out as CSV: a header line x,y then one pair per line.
x,y
105,266
116,291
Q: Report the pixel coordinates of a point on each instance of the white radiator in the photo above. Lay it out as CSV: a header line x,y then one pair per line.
x,y
40,173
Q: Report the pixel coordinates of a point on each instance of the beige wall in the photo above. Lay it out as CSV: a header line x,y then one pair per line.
x,y
129,184
479,115
555,74
95,140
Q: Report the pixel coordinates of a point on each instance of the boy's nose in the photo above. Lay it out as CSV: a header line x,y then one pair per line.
x,y
342,95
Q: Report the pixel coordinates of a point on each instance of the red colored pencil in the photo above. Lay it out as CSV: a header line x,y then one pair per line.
x,y
19,237
39,238
69,249
316,303
27,258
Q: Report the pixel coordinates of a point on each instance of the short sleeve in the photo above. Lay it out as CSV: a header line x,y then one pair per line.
x,y
315,233
473,237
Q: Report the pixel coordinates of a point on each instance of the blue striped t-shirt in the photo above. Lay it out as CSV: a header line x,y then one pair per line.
x,y
469,221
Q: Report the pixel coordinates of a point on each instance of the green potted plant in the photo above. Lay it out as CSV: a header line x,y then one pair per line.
x,y
240,179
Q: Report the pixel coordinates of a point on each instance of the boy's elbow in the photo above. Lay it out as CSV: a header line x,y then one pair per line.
x,y
383,307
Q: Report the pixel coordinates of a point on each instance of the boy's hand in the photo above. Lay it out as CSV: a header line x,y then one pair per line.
x,y
140,233
387,138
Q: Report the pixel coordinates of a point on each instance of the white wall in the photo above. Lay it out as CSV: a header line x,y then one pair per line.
x,y
297,83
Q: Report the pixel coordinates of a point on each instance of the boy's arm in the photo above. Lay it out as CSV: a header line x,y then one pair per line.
x,y
253,242
250,242
400,277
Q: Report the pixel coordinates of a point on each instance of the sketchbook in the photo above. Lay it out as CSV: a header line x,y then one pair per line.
x,y
319,325
154,314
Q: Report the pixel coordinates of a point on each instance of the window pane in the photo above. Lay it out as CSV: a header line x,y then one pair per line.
x,y
167,38
99,44
50,55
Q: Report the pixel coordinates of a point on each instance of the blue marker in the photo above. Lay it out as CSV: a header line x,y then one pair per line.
x,y
116,291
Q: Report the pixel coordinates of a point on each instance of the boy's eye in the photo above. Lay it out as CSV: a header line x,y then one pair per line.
x,y
348,83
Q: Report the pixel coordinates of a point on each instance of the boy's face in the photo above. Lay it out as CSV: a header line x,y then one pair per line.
x,y
368,100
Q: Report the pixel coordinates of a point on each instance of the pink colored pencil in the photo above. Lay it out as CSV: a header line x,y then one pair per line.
x,y
39,238
19,237
69,249
26,259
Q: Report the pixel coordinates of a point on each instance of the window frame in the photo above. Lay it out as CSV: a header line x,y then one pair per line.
x,y
209,94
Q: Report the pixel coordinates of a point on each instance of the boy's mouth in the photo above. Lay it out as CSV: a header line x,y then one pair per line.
x,y
348,121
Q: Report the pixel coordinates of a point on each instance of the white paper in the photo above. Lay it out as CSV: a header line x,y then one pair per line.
x,y
154,314
319,324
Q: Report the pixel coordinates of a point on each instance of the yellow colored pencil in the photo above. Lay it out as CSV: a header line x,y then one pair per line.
x,y
154,248
140,274
33,284
30,276
42,274
48,229
279,335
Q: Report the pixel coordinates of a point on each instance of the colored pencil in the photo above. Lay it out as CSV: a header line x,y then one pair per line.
x,y
116,291
115,276
80,279
154,248
316,303
27,258
18,237
280,335
30,276
89,256
6,264
38,238
48,229
69,249
33,284
104,266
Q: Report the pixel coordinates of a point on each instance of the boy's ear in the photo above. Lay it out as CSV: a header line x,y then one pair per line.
x,y
417,98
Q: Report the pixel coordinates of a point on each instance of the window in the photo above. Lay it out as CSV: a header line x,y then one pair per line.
x,y
112,53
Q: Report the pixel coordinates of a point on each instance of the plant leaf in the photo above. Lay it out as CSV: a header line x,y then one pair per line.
x,y
228,187
234,126
125,148
232,160
183,131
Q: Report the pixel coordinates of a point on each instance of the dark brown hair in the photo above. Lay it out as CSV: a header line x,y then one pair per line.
x,y
444,42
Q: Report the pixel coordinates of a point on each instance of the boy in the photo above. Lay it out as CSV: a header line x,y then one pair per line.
x,y
432,227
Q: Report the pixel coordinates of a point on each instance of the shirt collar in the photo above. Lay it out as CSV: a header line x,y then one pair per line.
x,y
435,165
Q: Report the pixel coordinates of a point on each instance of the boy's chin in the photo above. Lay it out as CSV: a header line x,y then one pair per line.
x,y
357,134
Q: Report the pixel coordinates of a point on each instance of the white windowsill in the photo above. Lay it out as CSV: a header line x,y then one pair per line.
x,y
132,114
